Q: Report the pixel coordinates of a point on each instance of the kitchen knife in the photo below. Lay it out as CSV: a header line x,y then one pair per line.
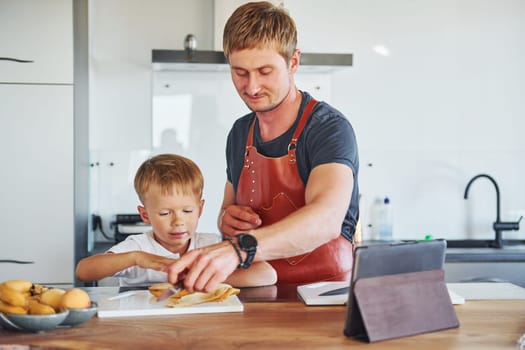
x,y
337,291
169,292
174,289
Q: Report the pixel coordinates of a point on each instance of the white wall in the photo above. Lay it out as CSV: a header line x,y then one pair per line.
x,y
446,104
435,97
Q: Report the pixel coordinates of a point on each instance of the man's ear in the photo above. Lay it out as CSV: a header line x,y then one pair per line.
x,y
143,214
294,61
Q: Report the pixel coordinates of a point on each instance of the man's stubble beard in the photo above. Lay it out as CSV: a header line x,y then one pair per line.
x,y
274,106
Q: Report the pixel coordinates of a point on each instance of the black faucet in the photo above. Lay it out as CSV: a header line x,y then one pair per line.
x,y
498,225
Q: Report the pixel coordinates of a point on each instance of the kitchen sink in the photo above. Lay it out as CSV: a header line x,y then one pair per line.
x,y
482,243
477,260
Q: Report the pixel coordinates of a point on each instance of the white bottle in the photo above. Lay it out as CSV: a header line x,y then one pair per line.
x,y
386,221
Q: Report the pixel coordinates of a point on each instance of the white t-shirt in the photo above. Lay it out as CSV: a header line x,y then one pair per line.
x,y
145,242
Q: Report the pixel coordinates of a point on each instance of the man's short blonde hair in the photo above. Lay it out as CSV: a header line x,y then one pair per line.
x,y
169,172
260,25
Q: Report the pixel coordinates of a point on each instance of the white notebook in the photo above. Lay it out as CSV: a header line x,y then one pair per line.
x,y
309,293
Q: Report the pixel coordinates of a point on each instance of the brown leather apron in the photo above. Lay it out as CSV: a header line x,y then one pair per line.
x,y
274,189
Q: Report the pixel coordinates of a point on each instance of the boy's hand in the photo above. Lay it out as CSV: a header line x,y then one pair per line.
x,y
236,219
207,267
152,261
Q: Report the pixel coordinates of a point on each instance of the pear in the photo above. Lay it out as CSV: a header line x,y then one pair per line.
x,y
76,298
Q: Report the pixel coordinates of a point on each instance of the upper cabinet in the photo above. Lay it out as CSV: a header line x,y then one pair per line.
x,y
36,41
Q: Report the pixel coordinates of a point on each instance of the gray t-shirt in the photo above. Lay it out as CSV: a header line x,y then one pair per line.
x,y
328,137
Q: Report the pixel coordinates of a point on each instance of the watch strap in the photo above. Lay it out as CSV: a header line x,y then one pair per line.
x,y
236,248
250,251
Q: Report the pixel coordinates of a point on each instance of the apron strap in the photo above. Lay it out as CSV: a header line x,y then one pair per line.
x,y
302,122
293,143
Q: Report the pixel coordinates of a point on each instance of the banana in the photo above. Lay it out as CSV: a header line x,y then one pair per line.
x,y
10,309
12,297
21,286
38,289
36,308
33,297
53,298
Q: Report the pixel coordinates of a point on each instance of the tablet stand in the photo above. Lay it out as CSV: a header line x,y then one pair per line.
x,y
400,305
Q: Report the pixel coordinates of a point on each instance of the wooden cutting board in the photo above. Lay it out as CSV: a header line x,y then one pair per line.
x,y
142,303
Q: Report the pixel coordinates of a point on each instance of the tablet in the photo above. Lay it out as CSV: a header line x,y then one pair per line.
x,y
389,259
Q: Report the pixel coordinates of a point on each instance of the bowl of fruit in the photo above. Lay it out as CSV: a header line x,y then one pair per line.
x,y
32,307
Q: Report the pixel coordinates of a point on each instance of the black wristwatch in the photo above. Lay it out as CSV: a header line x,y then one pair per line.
x,y
248,243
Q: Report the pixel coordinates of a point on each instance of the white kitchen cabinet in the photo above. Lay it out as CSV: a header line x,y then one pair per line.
x,y
511,271
36,181
36,138
38,31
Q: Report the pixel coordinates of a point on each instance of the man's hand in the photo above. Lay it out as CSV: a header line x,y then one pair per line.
x,y
236,219
207,267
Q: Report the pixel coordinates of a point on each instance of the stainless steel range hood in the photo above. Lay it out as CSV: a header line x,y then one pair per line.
x,y
202,60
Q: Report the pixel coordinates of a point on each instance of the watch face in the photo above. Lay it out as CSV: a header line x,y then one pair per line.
x,y
247,241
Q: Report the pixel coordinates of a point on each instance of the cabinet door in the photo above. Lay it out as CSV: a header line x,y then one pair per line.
x,y
36,182
38,31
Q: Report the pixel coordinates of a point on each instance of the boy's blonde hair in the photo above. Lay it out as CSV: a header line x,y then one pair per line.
x,y
169,171
260,25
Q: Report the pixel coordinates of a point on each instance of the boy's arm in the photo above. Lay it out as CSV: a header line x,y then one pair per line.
x,y
99,266
259,274
96,267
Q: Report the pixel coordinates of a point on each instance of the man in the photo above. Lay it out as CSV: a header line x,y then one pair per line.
x,y
291,197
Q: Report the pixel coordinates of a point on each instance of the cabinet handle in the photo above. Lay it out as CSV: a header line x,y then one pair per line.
x,y
17,262
15,60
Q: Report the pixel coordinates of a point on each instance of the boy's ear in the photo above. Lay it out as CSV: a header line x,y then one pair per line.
x,y
143,214
201,207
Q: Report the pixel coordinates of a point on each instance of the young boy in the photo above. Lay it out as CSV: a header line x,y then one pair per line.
x,y
169,187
